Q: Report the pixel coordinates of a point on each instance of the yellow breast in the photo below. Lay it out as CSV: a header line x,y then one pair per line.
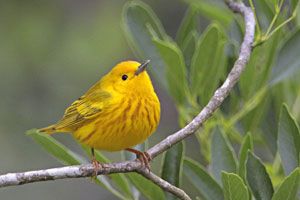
x,y
122,124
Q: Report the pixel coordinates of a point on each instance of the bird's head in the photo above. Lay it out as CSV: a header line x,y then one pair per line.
x,y
129,77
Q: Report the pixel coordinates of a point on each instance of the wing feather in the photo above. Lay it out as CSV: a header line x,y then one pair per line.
x,y
85,108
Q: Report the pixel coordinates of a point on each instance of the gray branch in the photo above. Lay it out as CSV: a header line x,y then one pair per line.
x,y
164,184
220,94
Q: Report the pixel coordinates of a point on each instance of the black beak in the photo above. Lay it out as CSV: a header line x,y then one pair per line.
x,y
142,67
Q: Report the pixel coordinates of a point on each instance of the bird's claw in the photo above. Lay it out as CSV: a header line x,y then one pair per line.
x,y
97,166
145,159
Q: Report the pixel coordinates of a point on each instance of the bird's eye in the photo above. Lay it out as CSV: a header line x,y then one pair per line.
x,y
124,77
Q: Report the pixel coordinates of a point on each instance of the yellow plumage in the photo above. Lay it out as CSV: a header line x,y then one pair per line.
x,y
118,112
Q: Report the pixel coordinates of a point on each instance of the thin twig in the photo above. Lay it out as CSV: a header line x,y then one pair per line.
x,y
164,184
277,10
220,94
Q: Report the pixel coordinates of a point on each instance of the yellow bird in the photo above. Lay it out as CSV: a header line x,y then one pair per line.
x,y
120,111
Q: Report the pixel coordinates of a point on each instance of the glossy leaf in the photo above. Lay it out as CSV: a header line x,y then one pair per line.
x,y
188,48
288,140
172,166
187,25
234,187
212,11
287,60
258,178
260,67
289,187
205,72
246,146
175,69
150,190
203,182
201,60
266,12
140,23
222,155
55,148
269,128
236,34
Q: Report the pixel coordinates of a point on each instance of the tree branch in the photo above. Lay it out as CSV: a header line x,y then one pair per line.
x,y
222,92
164,184
135,166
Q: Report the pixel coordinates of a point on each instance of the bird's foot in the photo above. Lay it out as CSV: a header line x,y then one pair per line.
x,y
97,166
143,157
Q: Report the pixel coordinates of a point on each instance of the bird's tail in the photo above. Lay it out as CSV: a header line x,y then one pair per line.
x,y
49,129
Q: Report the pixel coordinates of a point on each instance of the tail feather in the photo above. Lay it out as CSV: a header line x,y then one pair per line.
x,y
49,129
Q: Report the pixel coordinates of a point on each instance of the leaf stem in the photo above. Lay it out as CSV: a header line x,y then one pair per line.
x,y
277,12
281,25
256,19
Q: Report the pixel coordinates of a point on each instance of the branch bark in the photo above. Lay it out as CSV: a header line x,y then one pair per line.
x,y
164,184
135,166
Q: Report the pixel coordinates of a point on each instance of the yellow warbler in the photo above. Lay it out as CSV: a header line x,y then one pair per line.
x,y
118,112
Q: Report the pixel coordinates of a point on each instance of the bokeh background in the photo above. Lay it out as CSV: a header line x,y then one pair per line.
x,y
51,52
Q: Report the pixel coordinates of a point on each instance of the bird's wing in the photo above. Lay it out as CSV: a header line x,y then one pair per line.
x,y
85,108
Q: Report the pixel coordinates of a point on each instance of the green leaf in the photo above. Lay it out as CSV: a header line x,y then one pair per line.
x,y
187,25
206,72
236,34
258,178
234,187
289,187
212,11
222,155
287,60
55,148
288,140
250,112
119,179
294,4
203,182
140,23
269,127
150,190
259,68
172,166
188,48
245,147
175,69
103,182
265,11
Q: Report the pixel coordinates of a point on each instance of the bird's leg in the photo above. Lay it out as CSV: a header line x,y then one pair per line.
x,y
95,163
144,157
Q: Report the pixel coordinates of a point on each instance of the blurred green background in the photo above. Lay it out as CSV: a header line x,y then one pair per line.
x,y
51,52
